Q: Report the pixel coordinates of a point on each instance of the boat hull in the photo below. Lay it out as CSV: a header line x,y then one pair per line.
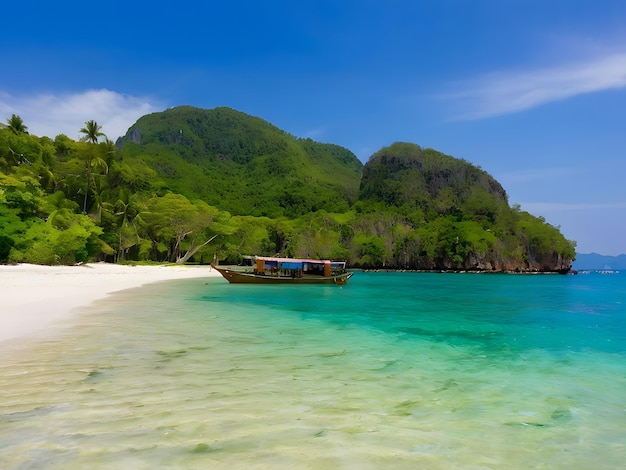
x,y
238,277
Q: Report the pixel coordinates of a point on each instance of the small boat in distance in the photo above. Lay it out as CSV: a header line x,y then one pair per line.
x,y
287,271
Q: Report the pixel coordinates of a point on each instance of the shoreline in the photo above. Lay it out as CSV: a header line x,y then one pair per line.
x,y
34,296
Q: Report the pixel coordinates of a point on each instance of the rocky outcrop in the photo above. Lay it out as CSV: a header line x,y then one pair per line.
x,y
477,263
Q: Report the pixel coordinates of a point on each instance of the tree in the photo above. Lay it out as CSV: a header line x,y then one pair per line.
x,y
67,238
126,211
174,220
12,229
92,133
16,124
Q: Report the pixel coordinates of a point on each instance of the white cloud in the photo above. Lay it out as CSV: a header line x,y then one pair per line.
x,y
54,114
511,91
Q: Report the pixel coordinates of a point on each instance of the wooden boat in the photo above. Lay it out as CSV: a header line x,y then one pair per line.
x,y
287,271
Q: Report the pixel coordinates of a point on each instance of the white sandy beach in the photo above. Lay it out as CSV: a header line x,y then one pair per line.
x,y
32,297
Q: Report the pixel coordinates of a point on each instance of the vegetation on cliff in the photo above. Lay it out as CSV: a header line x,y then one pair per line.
x,y
449,214
242,164
192,185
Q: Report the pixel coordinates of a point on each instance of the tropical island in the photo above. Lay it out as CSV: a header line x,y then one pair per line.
x,y
190,185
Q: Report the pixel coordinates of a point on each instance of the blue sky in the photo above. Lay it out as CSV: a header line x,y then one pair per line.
x,y
534,91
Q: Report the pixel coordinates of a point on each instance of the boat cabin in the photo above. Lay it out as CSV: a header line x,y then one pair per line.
x,y
297,268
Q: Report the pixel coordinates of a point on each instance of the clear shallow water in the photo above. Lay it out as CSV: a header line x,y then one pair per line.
x,y
395,370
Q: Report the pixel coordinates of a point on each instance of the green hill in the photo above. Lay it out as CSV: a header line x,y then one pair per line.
x,y
451,215
405,173
242,163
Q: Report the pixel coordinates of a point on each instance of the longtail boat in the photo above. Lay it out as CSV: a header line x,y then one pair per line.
x,y
287,271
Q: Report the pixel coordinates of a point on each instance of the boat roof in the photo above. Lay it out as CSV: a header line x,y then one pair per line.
x,y
298,260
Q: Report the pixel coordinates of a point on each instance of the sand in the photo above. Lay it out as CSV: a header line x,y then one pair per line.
x,y
33,297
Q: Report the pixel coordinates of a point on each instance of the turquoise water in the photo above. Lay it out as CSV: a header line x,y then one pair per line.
x,y
394,370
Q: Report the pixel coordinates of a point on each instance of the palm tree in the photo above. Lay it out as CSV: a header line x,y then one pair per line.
x,y
16,124
127,210
92,133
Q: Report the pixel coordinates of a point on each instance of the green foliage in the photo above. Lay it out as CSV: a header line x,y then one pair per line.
x,y
542,240
242,164
91,132
181,227
12,228
407,174
121,219
75,239
249,235
370,251
25,202
196,185
458,215
16,125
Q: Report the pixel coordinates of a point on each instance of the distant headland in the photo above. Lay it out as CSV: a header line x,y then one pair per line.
x,y
599,262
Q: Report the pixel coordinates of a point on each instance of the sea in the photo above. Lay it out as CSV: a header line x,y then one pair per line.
x,y
395,370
